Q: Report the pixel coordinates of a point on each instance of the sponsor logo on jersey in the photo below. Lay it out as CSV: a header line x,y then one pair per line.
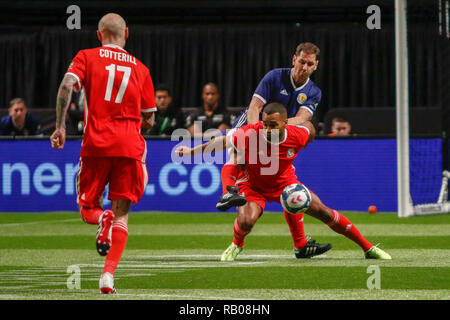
x,y
301,98
284,92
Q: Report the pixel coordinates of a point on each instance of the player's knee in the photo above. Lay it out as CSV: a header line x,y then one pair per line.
x,y
120,206
247,223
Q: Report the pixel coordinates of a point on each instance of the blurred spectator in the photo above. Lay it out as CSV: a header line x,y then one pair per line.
x,y
340,127
168,118
213,115
19,122
76,114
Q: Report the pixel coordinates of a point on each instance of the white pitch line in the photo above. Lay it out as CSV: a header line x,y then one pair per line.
x,y
178,296
187,266
35,222
212,256
10,297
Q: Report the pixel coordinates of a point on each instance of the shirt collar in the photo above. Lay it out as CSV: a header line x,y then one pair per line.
x,y
277,143
293,83
115,46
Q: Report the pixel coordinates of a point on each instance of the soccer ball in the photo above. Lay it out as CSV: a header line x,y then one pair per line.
x,y
295,198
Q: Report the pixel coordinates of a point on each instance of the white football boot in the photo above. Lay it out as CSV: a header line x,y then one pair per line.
x,y
106,283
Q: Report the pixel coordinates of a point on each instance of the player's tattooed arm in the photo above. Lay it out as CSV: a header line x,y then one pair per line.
x,y
301,117
58,138
63,98
256,105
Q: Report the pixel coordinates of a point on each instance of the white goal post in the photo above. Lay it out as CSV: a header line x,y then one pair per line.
x,y
406,208
402,110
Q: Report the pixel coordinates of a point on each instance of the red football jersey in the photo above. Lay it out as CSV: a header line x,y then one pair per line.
x,y
269,165
117,88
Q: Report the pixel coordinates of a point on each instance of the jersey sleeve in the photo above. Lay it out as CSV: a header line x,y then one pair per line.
x,y
302,135
148,94
240,136
264,89
77,68
312,102
238,139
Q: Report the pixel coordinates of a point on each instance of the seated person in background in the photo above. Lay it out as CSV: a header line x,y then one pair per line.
x,y
76,114
19,122
168,118
340,127
213,115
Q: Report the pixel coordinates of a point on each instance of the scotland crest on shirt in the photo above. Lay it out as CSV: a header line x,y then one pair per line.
x,y
301,98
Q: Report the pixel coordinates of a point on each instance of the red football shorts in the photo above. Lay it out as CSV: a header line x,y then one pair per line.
x,y
127,179
245,189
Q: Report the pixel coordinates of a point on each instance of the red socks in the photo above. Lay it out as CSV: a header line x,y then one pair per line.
x,y
342,225
119,237
229,175
295,222
239,234
90,215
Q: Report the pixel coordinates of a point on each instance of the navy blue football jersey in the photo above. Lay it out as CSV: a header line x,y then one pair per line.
x,y
278,86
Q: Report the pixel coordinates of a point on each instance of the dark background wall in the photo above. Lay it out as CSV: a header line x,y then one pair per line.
x,y
233,43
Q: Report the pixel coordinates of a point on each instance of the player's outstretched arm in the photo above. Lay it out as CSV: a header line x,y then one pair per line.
x,y
254,110
217,144
58,138
302,116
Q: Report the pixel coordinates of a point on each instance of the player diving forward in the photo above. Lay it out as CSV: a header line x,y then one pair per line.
x,y
284,141
118,90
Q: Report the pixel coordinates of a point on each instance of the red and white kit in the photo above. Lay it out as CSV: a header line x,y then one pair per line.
x,y
118,87
250,141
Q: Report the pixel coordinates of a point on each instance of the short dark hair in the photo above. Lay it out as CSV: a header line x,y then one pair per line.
x,y
163,87
16,101
275,107
212,84
339,119
309,48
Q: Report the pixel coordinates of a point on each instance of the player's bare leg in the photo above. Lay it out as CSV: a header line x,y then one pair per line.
x,y
248,214
340,224
119,235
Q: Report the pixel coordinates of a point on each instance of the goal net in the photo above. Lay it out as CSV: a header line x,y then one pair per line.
x,y
425,190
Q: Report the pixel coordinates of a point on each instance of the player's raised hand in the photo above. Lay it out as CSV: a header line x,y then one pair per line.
x,y
183,151
58,138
